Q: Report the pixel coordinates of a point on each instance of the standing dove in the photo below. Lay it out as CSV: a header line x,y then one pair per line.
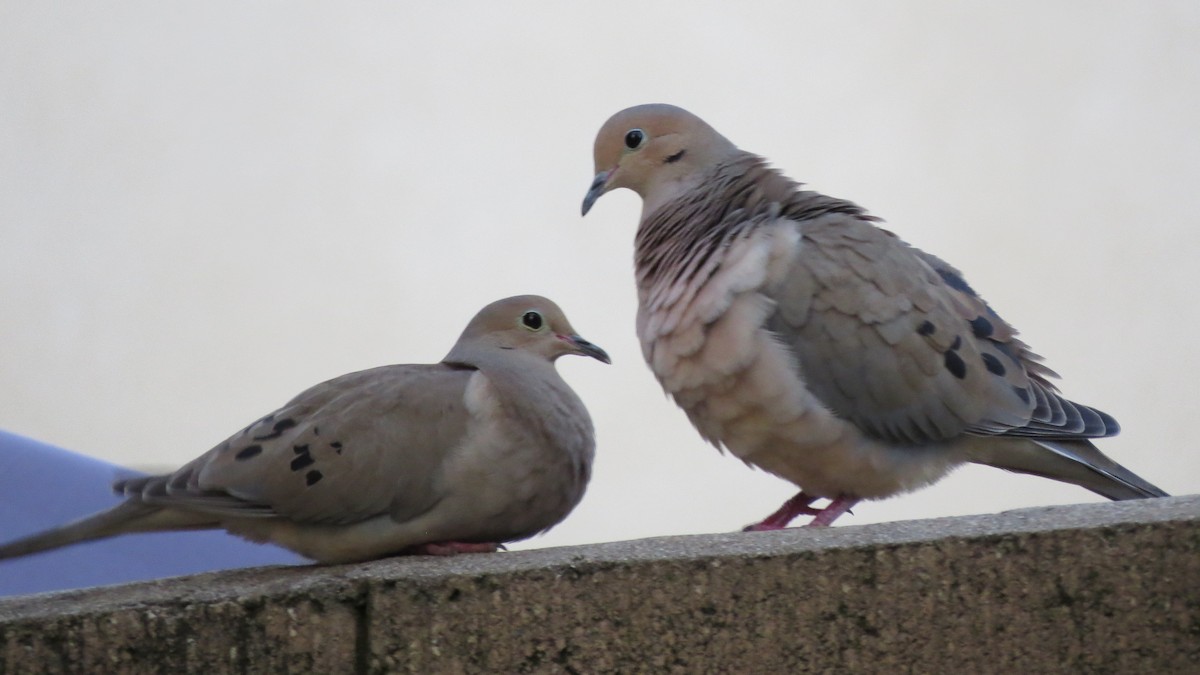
x,y
813,344
488,446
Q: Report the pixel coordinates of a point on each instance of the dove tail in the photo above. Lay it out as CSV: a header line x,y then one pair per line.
x,y
1076,461
125,518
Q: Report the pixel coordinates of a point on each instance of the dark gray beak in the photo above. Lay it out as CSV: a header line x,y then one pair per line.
x,y
594,192
587,349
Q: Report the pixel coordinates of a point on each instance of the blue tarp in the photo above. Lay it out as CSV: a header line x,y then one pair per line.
x,y
42,486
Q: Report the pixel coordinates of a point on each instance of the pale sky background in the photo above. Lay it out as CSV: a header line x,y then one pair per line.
x,y
207,207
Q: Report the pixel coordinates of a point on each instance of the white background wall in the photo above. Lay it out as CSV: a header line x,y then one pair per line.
x,y
206,207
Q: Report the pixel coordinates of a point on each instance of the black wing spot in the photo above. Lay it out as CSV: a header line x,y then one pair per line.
x,y
982,327
955,365
957,343
992,364
1022,393
312,477
280,427
926,328
303,461
336,445
1007,352
248,452
956,282
300,449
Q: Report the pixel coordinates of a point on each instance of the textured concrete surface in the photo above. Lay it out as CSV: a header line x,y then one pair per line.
x,y
1099,588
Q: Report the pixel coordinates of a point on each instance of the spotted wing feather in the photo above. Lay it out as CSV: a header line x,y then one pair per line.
x,y
335,454
894,340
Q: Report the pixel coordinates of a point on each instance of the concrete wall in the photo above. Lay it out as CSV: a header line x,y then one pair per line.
x,y
1104,588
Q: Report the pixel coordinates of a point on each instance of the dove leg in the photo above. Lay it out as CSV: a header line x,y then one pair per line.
x,y
830,513
452,548
799,505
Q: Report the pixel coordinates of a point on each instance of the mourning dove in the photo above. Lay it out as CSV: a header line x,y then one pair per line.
x,y
488,446
813,344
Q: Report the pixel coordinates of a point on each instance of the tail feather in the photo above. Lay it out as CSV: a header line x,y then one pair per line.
x,y
1077,461
125,518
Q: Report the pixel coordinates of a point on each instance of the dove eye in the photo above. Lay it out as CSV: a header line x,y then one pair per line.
x,y
532,320
634,139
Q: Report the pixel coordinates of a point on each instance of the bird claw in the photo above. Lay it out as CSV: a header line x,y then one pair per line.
x,y
801,505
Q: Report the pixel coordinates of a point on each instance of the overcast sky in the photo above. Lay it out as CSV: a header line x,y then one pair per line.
x,y
206,207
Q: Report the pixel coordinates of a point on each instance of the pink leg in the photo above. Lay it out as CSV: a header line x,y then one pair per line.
x,y
830,513
452,548
801,504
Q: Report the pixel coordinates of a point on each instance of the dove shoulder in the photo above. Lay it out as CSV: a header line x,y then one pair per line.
x,y
339,452
895,340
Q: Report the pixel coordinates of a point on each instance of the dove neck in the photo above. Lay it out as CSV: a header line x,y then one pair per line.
x,y
491,357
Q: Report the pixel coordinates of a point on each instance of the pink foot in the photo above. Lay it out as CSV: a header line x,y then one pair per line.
x,y
800,505
830,513
452,548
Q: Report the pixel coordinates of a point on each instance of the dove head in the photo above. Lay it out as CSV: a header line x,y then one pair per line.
x,y
656,150
528,323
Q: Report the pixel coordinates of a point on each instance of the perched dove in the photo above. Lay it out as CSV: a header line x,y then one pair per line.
x,y
488,446
813,344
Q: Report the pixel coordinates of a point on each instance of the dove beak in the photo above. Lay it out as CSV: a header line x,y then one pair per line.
x,y
599,187
585,348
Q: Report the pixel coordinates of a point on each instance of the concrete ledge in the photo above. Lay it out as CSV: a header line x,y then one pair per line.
x,y
1091,588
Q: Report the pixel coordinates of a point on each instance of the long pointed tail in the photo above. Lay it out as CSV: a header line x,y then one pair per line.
x,y
1077,461
125,518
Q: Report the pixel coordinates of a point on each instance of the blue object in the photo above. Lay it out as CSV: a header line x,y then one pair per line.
x,y
42,486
